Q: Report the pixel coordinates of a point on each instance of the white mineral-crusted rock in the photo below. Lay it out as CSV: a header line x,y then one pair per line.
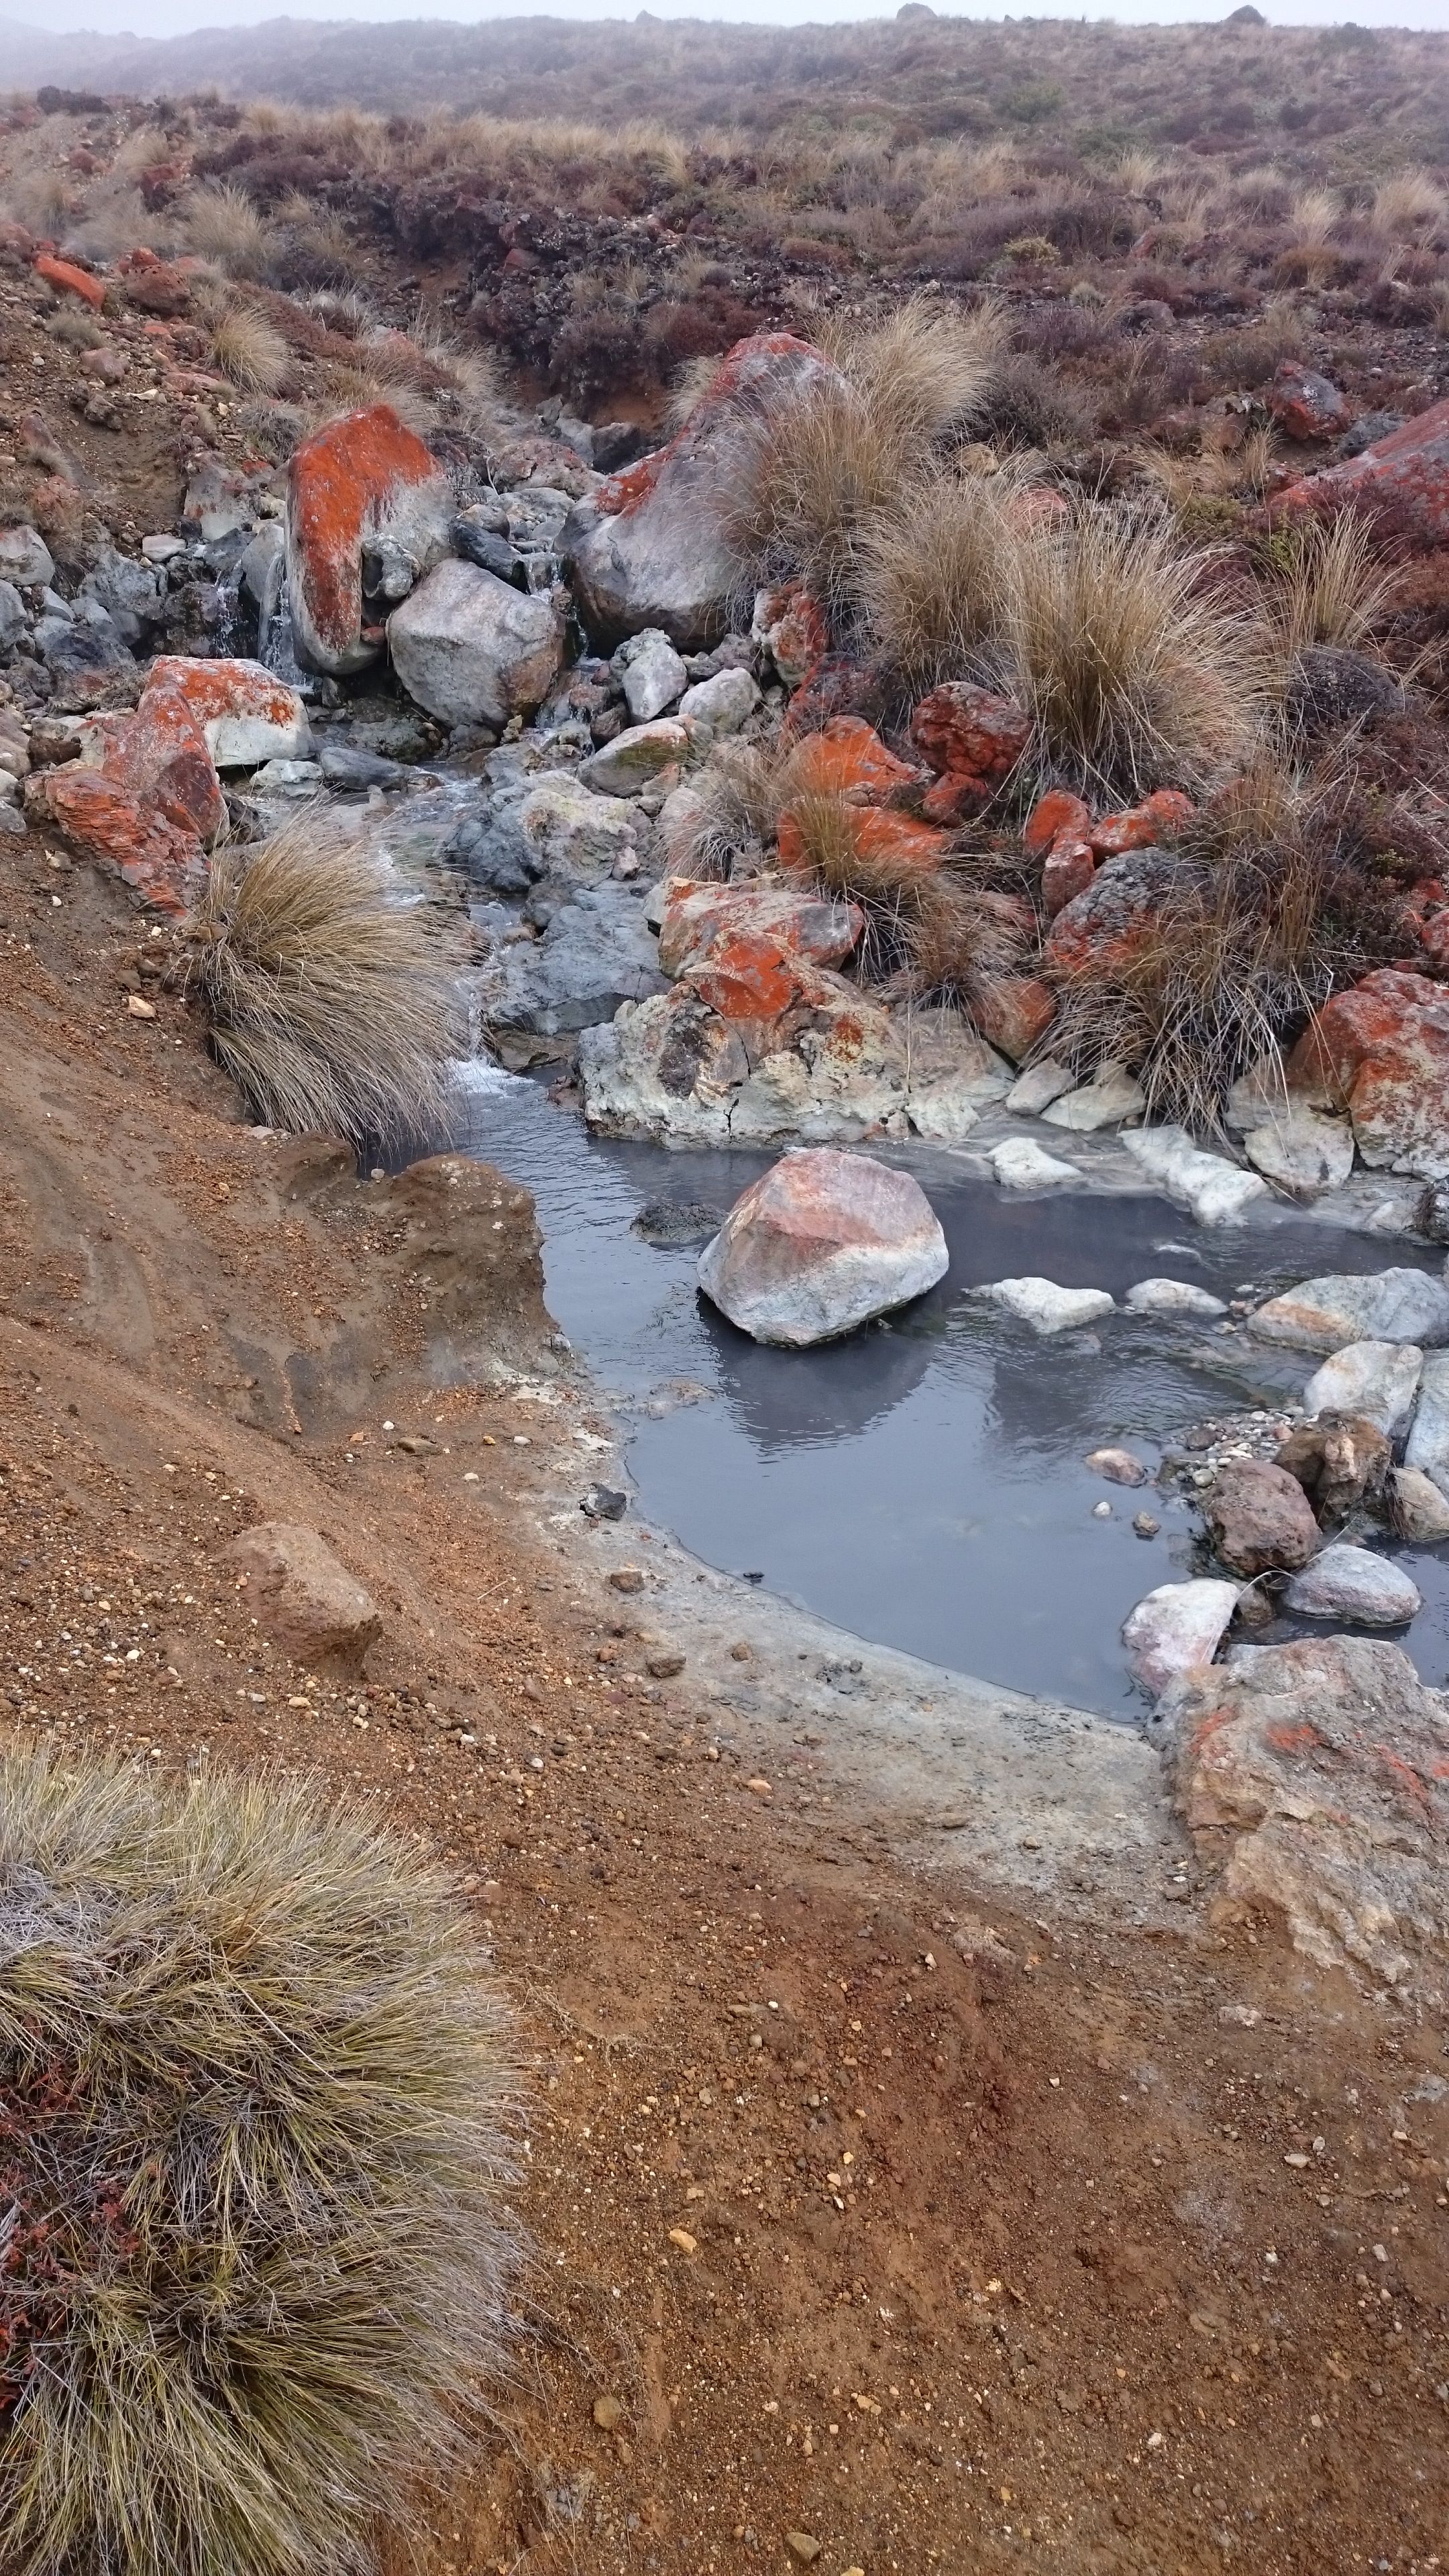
x,y
1212,1189
640,757
652,673
819,1244
721,704
1302,1152
1321,1770
1020,1164
1353,1584
1036,1089
1176,1629
1045,1306
1378,1380
1171,1297
1110,1099
1326,1313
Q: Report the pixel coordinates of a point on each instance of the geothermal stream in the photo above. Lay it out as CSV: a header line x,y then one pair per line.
x,y
922,1484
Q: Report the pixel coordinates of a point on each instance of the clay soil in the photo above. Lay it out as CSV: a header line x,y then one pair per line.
x,y
860,2207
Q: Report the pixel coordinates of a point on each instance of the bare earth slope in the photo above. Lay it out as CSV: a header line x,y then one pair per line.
x,y
871,2209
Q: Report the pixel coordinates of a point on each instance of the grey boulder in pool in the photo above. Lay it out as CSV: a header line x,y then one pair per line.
x,y
820,1243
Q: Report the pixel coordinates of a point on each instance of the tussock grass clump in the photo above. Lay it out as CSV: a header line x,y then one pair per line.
x,y
225,226
1271,910
250,350
827,466
1135,670
933,573
254,2137
329,999
1328,585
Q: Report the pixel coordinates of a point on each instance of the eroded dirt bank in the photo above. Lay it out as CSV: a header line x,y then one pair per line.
x,y
881,2196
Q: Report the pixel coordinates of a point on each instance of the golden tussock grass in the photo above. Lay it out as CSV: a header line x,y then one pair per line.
x,y
250,350
257,2139
330,1001
224,226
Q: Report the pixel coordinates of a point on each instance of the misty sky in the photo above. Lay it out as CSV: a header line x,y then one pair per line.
x,y
179,17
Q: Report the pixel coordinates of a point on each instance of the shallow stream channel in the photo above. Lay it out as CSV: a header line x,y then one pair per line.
x,y
923,1483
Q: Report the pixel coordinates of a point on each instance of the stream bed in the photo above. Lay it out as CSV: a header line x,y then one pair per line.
x,y
922,1483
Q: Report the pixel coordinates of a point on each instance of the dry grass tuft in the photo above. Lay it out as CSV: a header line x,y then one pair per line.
x,y
256,2104
330,1000
1328,586
929,369
933,574
224,226
1135,671
1270,911
250,350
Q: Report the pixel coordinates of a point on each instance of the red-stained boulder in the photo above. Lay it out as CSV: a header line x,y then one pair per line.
x,y
1054,815
245,712
651,546
1103,930
1402,483
794,629
102,821
699,917
360,479
961,729
894,842
1067,871
834,687
1142,825
1382,1053
67,279
1305,405
821,1243
848,758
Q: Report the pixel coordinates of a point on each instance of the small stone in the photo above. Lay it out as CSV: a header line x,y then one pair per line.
x,y
1144,1525
1260,1518
1118,1466
1171,1297
1101,1511
802,2547
681,2237
740,1653
759,1788
1108,1100
1020,1164
608,2412
1420,1513
139,1010
604,1503
665,1668
1036,1089
627,1578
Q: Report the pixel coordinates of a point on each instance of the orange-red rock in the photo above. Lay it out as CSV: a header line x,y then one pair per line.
x,y
747,975
970,730
955,799
1052,815
1382,1052
1165,810
793,627
1067,871
848,758
698,917
245,712
104,822
1402,482
67,279
360,477
891,841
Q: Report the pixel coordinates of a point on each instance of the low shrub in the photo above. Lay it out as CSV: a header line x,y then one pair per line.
x,y
329,998
254,2143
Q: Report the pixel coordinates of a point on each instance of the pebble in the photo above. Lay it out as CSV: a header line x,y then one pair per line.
x,y
664,1668
681,2237
1101,1511
608,2412
1118,1466
1144,1525
803,2547
136,1009
627,1578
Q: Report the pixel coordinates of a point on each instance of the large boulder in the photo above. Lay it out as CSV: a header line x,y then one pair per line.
x,y
821,1243
1260,1518
245,713
1382,1053
472,649
1103,931
702,917
302,1596
1353,1585
360,483
1326,1314
652,546
756,1046
595,953
1428,1442
1402,483
1378,1380
1315,1779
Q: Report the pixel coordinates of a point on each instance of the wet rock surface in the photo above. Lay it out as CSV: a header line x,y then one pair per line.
x,y
819,1245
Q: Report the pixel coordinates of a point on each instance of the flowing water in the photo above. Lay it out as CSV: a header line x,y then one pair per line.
x,y
922,1482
